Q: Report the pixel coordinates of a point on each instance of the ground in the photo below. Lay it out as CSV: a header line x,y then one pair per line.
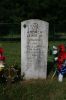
x,y
49,89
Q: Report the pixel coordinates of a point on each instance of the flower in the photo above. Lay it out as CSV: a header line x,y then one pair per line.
x,y
1,50
61,58
61,47
2,58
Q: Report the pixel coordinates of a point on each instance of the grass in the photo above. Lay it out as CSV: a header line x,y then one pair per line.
x,y
51,43
49,89
12,52
35,90
11,35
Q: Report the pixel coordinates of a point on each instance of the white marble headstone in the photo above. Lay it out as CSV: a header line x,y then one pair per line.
x,y
34,48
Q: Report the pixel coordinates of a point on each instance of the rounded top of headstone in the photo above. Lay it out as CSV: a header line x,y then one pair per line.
x,y
36,20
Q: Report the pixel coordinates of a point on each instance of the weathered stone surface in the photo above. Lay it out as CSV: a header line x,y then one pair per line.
x,y
34,48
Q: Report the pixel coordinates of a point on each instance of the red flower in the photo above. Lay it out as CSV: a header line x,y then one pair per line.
x,y
61,47
2,58
1,50
61,58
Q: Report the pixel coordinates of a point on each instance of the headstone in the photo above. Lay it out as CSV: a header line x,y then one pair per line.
x,y
34,48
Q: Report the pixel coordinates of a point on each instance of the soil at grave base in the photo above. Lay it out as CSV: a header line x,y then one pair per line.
x,y
32,81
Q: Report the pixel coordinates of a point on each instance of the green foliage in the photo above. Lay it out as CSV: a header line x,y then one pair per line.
x,y
15,11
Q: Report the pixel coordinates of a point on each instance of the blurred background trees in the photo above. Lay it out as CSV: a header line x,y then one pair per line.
x,y
53,11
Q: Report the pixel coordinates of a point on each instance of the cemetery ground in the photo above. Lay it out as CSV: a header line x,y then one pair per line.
x,y
40,89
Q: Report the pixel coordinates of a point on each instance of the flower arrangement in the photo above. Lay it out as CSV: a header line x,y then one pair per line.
x,y
61,61
2,59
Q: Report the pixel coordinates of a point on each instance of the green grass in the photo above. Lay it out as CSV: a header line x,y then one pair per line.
x,y
51,43
34,90
12,52
11,35
49,89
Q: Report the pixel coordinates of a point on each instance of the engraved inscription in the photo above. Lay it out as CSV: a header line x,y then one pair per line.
x,y
34,45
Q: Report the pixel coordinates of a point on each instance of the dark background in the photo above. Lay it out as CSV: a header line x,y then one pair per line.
x,y
12,12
